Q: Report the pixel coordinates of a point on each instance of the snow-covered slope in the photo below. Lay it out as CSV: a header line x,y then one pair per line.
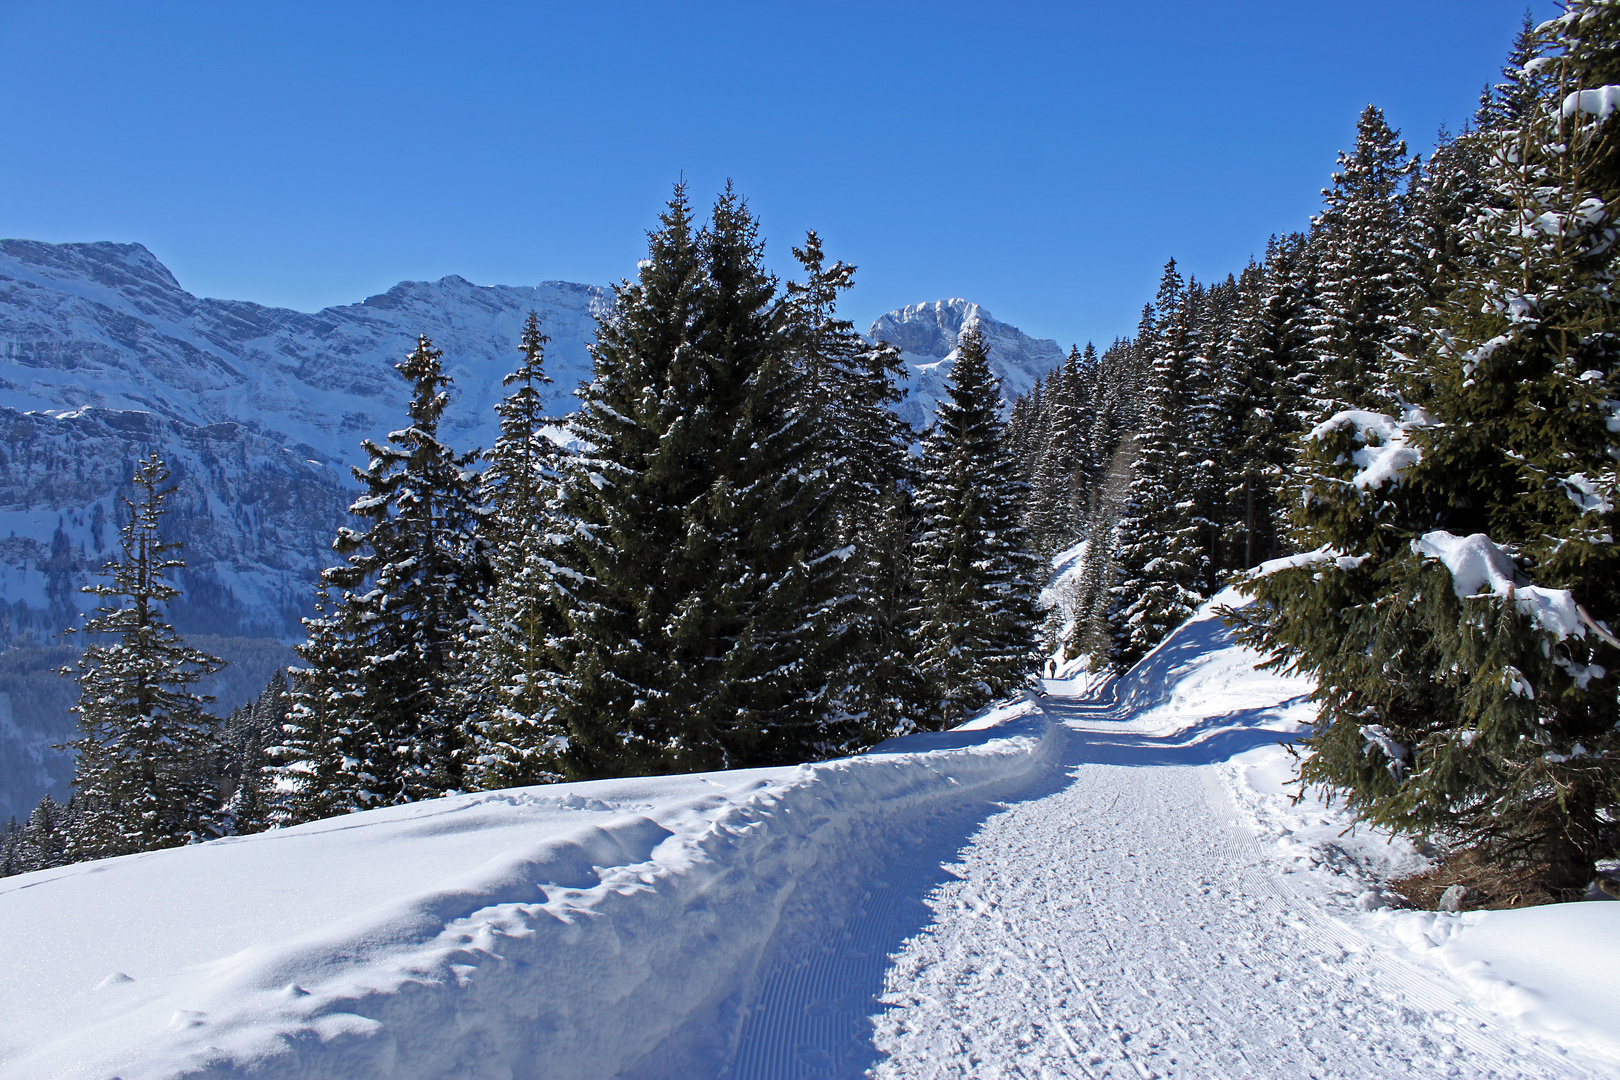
x,y
927,336
585,930
1064,886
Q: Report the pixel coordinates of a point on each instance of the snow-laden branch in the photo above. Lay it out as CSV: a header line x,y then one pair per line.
x,y
1479,567
1600,103
1386,449
1327,553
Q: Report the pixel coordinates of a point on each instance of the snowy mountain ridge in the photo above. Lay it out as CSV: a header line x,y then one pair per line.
x,y
927,336
103,355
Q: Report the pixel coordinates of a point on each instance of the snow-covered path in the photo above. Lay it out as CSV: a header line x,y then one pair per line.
x,y
1117,918
1063,887
1127,926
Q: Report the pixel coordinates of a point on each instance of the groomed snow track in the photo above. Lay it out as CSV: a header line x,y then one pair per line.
x,y
1061,888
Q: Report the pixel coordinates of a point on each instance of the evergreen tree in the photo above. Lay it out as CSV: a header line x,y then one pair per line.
x,y
40,843
1161,561
1058,494
1264,400
1457,612
701,574
142,774
508,663
976,575
852,390
246,737
1367,291
373,722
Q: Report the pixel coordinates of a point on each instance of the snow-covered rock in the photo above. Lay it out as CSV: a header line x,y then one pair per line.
x,y
927,336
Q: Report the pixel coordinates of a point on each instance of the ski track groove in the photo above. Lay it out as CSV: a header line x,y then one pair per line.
x,y
1112,921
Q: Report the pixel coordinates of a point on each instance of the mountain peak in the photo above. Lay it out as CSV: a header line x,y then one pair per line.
x,y
103,261
928,335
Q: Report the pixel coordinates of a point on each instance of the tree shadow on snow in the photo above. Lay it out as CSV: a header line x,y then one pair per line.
x,y
1216,738
822,977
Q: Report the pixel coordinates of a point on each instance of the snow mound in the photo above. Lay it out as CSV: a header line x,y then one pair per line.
x,y
580,930
1550,969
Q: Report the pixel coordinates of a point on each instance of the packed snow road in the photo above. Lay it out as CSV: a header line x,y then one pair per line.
x,y
1064,887
1118,919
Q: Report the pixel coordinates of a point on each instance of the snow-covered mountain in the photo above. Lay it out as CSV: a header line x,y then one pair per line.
x,y
928,334
103,355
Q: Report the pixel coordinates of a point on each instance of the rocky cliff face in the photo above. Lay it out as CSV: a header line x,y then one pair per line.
x,y
107,325
259,411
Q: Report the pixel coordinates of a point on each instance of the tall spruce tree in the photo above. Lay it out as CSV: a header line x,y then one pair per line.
x,y
1457,614
142,776
245,739
507,661
1367,285
1162,559
977,577
701,574
373,722
852,387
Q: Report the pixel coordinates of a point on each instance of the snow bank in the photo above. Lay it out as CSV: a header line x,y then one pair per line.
x,y
580,930
1547,970
1550,969
1199,674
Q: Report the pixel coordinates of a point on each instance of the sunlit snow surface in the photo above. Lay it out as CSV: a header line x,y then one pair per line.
x,y
1108,885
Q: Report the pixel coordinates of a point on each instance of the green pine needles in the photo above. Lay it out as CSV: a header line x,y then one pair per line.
x,y
1457,604
143,777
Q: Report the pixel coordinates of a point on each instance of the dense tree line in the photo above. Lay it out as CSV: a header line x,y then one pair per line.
x,y
1398,429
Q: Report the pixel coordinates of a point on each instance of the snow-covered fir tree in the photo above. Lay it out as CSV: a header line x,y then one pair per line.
x,y
142,775
1457,609
1262,397
41,842
1162,558
702,571
852,388
1060,478
245,739
977,578
373,722
507,660
1367,286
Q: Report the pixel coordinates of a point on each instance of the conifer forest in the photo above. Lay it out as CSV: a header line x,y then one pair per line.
x,y
1396,430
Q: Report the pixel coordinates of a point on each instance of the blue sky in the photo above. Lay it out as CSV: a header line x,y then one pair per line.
x,y
1041,159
